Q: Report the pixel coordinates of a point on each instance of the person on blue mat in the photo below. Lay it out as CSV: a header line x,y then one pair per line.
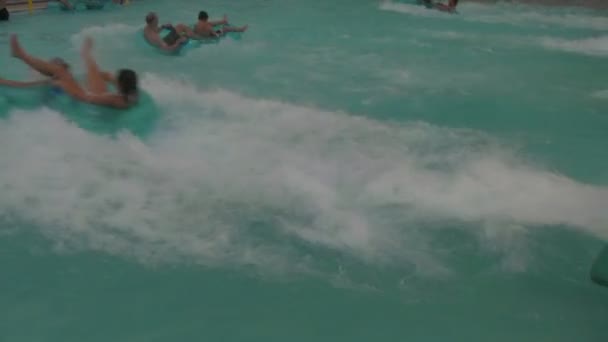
x,y
97,81
173,41
4,14
205,28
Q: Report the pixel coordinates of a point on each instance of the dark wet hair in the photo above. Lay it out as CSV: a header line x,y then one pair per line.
x,y
455,2
127,84
202,15
150,17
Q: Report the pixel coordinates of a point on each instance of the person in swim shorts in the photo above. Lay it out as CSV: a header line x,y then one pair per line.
x,y
4,14
206,28
96,91
173,40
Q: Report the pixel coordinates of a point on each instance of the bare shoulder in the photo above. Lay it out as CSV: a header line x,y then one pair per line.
x,y
150,33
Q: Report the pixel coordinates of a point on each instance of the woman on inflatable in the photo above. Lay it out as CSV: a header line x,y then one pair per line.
x,y
96,91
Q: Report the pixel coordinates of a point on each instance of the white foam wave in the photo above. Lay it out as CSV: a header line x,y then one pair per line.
x,y
542,19
114,30
235,181
109,38
597,46
411,9
600,94
506,14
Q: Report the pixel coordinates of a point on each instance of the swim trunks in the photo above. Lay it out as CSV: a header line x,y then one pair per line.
x,y
172,37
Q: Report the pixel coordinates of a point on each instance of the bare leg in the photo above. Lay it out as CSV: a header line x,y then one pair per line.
x,y
227,29
19,84
43,67
96,82
184,30
224,21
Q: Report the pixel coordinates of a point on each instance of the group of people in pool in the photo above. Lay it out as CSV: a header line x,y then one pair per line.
x,y
176,35
95,89
181,32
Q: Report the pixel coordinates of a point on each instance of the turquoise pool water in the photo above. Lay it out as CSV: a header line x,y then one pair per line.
x,y
346,171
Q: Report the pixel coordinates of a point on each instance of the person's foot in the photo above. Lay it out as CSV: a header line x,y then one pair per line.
x,y
244,28
16,49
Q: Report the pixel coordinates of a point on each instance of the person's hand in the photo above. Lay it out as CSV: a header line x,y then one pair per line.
x,y
182,40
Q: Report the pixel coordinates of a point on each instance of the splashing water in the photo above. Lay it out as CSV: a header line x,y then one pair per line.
x,y
410,170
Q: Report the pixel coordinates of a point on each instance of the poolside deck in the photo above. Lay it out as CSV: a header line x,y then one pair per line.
x,y
21,5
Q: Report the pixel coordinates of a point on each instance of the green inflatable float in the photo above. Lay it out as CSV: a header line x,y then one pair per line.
x,y
190,44
139,120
